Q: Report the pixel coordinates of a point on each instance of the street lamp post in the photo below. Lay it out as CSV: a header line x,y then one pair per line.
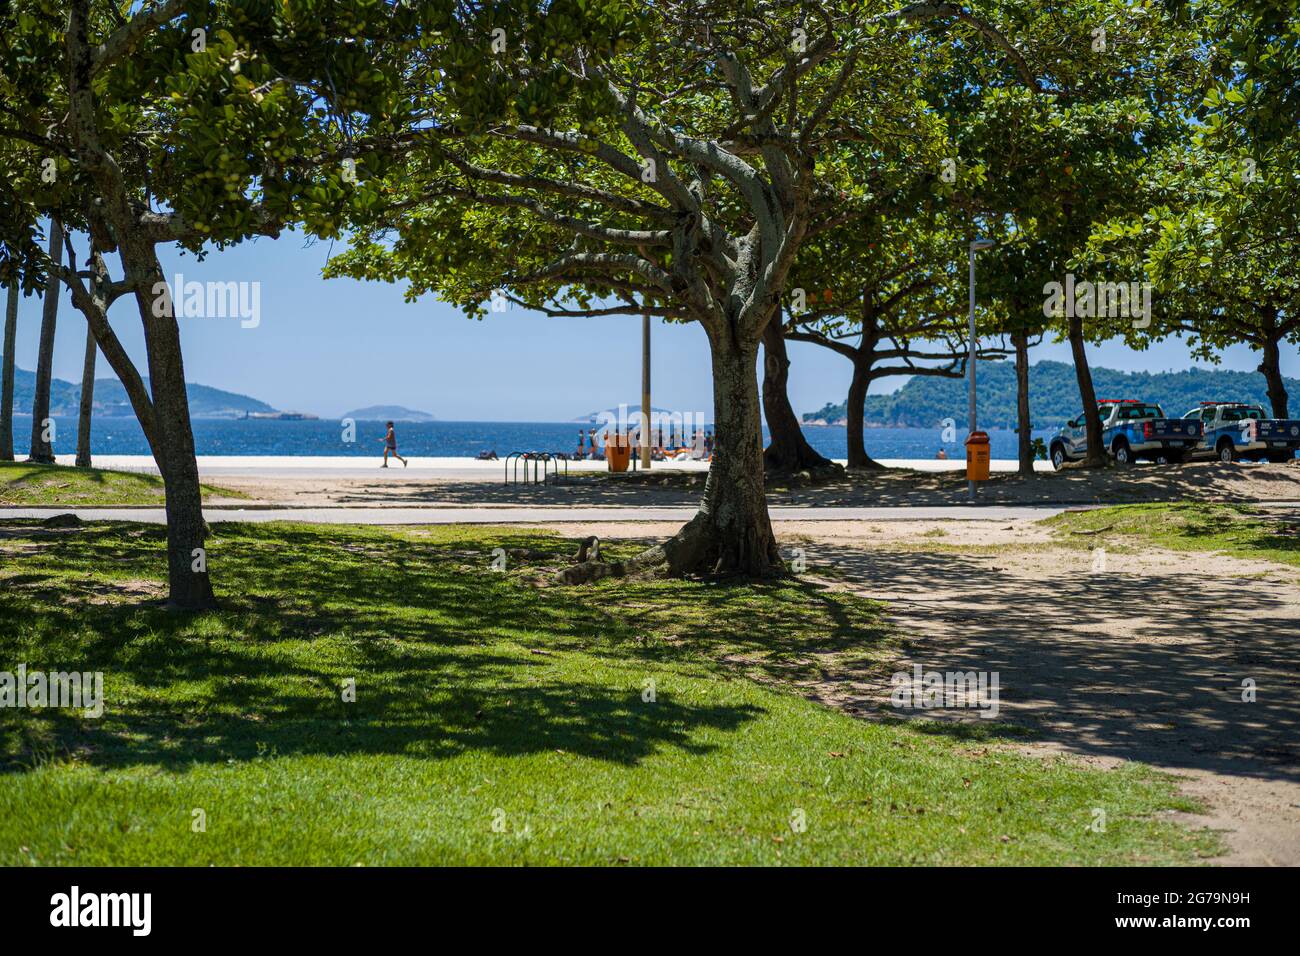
x,y
645,390
975,247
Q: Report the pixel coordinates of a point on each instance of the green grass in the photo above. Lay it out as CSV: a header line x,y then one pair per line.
x,y
482,700
28,485
1237,530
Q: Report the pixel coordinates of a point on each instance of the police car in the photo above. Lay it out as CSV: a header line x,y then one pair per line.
x,y
1131,430
1236,431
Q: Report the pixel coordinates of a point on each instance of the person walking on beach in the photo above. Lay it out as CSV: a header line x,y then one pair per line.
x,y
390,445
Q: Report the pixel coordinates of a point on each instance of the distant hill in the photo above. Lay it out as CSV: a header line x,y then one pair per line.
x,y
111,400
924,401
388,413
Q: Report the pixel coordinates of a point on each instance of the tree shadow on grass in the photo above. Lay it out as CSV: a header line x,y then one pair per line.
x,y
516,719
447,657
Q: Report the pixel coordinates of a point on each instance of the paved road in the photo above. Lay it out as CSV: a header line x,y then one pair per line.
x,y
514,515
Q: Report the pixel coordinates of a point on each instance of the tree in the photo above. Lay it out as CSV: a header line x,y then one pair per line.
x,y
788,450
7,374
889,282
670,162
881,184
1223,203
1063,161
42,449
20,272
188,123
87,402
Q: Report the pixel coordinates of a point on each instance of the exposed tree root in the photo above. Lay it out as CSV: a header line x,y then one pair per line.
x,y
778,461
694,551
818,475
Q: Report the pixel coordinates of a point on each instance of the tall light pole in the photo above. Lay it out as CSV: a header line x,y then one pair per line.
x,y
645,390
976,246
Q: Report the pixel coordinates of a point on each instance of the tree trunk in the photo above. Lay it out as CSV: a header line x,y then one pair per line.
x,y
789,450
1092,417
854,415
731,534
1023,423
94,306
87,400
7,377
42,450
1272,369
189,586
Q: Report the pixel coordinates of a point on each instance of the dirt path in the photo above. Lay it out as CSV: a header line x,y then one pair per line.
x,y
1143,661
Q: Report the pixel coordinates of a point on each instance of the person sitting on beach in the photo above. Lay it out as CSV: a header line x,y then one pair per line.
x,y
942,456
487,455
390,445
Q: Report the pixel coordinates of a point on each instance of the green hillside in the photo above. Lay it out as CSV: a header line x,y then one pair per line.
x,y
1053,394
111,400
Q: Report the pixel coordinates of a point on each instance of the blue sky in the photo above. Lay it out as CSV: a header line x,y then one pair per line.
x,y
330,346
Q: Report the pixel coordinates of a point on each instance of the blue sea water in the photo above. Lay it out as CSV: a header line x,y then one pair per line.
x,y
122,436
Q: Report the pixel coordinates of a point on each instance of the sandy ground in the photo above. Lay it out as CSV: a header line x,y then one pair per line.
x,y
1198,481
1141,662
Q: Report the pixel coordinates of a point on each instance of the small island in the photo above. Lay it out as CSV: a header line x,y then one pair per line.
x,y
388,413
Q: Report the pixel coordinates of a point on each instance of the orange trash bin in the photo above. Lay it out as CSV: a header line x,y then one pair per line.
x,y
977,457
618,452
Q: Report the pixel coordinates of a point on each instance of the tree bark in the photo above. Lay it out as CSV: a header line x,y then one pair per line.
x,y
189,587
87,400
1025,444
789,450
1097,455
731,534
855,415
7,376
42,450
1272,369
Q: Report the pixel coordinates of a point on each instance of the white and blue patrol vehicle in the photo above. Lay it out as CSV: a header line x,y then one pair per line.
x,y
1131,430
1237,431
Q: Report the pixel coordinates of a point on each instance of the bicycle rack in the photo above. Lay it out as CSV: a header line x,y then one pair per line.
x,y
545,467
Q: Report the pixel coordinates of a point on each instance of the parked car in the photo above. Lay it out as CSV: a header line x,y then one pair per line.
x,y
1131,430
1236,430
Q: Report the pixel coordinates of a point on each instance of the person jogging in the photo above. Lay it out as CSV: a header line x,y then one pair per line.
x,y
390,445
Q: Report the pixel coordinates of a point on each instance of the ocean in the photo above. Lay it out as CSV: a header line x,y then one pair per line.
x,y
122,436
